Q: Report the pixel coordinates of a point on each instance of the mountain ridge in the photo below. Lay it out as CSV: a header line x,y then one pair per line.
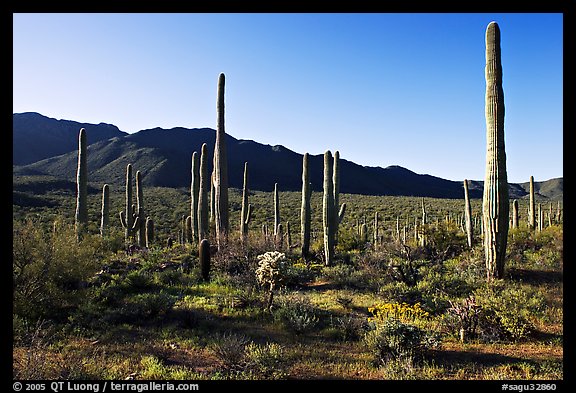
x,y
164,158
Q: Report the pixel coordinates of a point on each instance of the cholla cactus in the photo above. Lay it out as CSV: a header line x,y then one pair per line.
x,y
271,271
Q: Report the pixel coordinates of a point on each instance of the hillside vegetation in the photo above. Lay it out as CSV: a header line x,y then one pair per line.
x,y
101,309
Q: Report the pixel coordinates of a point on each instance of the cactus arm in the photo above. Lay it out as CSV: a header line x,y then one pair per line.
x,y
341,213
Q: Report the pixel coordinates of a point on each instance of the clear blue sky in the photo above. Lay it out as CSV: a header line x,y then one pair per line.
x,y
383,89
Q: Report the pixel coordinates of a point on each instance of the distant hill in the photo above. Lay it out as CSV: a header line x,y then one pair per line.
x,y
36,137
164,158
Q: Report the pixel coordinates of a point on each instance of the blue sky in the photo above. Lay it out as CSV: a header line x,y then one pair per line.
x,y
383,89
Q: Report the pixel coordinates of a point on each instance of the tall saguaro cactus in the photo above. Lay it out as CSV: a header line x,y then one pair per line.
x,y
495,204
276,209
532,207
468,215
204,183
128,218
376,233
105,210
221,170
246,212
336,182
194,189
81,216
305,210
149,232
515,214
328,209
141,217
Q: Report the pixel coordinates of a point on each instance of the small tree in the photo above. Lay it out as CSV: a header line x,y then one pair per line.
x,y
271,271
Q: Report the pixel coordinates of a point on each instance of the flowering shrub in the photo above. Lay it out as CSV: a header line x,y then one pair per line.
x,y
401,311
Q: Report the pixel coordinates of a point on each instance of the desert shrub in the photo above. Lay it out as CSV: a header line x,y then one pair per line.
x,y
348,276
463,317
403,312
444,241
350,327
229,348
297,314
50,269
265,360
508,309
137,281
392,339
300,273
142,307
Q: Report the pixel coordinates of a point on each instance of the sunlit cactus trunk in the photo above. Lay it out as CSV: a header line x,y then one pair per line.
x,y
221,171
276,209
376,233
305,210
246,212
81,216
128,217
141,220
468,215
105,212
540,218
495,205
515,214
532,206
194,190
328,209
203,184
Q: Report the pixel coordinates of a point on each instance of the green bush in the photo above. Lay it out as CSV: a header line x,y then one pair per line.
x,y
393,340
265,360
50,270
297,314
508,309
229,348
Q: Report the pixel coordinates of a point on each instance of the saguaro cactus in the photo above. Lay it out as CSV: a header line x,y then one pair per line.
x,y
204,255
149,232
246,212
204,183
81,216
495,204
364,233
305,210
128,219
540,218
423,228
336,180
376,234
194,190
140,210
328,209
188,230
468,215
276,209
221,170
532,207
105,210
515,214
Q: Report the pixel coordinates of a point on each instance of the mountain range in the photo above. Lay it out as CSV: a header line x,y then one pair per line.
x,y
46,146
